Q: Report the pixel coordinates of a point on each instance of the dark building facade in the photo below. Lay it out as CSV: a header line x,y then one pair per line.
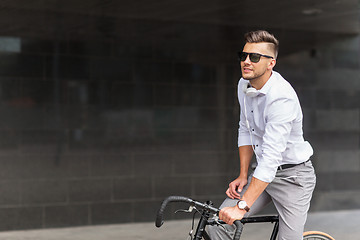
x,y
107,107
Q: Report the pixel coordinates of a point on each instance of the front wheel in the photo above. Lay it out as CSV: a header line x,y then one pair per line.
x,y
316,235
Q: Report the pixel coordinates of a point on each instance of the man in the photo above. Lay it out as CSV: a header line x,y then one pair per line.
x,y
271,127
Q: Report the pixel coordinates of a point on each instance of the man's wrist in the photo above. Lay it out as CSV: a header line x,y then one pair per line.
x,y
242,205
243,173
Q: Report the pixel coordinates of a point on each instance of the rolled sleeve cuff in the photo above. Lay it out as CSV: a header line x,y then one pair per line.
x,y
244,140
265,174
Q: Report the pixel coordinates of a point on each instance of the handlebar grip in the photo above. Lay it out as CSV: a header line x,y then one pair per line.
x,y
159,216
238,225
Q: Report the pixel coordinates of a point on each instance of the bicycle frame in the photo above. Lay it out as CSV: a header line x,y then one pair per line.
x,y
207,210
260,219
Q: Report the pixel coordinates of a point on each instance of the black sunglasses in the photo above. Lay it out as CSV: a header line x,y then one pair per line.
x,y
254,57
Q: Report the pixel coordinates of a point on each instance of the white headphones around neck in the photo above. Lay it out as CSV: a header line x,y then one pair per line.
x,y
249,90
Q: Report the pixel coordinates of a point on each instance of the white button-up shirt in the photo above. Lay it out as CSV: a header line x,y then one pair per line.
x,y
275,126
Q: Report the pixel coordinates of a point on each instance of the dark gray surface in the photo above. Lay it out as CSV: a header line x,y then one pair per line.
x,y
339,224
107,107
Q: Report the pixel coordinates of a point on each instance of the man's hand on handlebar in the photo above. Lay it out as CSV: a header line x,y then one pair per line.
x,y
231,214
235,187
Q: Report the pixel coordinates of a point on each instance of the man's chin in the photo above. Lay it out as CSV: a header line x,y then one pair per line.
x,y
247,76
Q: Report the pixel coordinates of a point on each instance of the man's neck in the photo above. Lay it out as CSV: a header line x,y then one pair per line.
x,y
258,83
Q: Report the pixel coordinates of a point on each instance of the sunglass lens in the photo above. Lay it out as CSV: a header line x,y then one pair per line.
x,y
254,57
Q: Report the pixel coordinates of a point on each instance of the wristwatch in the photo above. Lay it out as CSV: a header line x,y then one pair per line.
x,y
243,205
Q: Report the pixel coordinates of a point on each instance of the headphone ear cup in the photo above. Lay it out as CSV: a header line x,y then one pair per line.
x,y
250,91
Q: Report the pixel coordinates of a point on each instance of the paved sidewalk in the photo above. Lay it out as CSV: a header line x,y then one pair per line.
x,y
339,224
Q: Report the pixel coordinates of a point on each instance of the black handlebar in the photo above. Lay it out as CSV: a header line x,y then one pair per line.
x,y
237,235
159,217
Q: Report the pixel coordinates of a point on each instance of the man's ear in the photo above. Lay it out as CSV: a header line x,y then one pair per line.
x,y
272,64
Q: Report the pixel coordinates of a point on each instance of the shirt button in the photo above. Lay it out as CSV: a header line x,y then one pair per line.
x,y
253,129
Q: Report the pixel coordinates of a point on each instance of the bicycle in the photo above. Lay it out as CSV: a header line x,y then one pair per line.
x,y
208,216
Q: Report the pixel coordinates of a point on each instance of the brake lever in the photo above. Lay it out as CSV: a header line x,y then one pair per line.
x,y
218,222
216,219
191,208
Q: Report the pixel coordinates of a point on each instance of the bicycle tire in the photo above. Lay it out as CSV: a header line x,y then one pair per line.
x,y
317,235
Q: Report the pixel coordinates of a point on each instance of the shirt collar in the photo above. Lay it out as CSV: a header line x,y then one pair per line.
x,y
268,83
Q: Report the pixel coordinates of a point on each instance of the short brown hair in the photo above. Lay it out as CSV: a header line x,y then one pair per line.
x,y
262,36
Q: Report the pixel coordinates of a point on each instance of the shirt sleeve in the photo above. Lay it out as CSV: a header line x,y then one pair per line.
x,y
279,117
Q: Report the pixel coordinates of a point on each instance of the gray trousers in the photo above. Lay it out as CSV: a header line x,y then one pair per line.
x,y
290,191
